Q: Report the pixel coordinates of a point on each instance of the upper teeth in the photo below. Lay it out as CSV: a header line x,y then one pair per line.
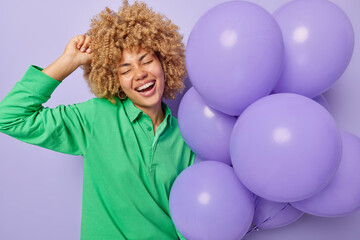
x,y
145,86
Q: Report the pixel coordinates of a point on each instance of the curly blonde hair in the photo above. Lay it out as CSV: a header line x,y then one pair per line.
x,y
133,27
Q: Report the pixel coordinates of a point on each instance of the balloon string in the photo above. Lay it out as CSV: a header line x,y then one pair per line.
x,y
256,227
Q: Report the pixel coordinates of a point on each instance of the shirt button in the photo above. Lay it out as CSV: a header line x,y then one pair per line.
x,y
149,129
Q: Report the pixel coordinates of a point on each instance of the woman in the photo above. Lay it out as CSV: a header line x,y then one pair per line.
x,y
130,142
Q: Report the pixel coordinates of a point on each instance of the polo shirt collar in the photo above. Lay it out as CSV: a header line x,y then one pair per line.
x,y
134,112
168,114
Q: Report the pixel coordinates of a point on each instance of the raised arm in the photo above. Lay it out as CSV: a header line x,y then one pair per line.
x,y
64,128
77,53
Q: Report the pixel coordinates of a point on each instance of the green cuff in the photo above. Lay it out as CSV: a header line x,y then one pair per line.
x,y
38,82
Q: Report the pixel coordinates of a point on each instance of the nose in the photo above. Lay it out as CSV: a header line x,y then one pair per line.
x,y
140,74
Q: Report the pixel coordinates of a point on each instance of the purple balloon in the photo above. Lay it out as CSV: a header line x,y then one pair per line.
x,y
322,101
270,215
342,196
319,42
197,159
285,147
205,130
207,201
234,55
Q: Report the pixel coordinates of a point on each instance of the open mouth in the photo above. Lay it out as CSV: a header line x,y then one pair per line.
x,y
146,87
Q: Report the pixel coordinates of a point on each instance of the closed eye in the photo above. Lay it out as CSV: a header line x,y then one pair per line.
x,y
145,63
125,72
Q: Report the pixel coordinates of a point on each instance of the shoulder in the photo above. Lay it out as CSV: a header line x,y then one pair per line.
x,y
98,104
174,125
187,155
92,108
175,130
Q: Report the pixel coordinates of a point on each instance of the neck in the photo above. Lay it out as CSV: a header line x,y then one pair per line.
x,y
155,113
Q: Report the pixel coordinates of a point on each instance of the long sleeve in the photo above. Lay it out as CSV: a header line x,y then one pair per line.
x,y
63,129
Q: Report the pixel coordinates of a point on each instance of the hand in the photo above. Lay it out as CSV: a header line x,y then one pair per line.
x,y
77,52
78,49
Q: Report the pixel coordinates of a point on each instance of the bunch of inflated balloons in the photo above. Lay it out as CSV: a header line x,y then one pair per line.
x,y
267,150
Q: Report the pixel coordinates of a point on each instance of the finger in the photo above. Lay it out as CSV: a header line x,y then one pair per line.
x,y
86,44
80,39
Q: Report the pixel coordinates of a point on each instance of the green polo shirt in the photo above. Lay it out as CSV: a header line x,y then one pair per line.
x,y
128,170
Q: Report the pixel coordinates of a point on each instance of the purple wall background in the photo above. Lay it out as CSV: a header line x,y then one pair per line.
x,y
40,190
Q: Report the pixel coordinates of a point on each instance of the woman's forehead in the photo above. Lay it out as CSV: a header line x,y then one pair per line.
x,y
134,51
134,54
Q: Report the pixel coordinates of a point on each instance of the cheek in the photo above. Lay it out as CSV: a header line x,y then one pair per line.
x,y
125,84
158,71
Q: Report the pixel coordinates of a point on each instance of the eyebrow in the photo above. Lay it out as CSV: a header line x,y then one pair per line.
x,y
140,59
